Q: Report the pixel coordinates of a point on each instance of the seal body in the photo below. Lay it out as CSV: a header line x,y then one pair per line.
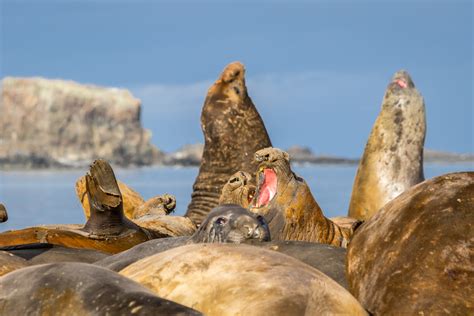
x,y
393,158
233,132
286,202
226,279
415,256
10,262
79,289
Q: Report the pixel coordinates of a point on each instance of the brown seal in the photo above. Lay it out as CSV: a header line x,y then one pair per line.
x,y
229,279
415,256
106,230
393,157
286,202
79,289
238,190
233,132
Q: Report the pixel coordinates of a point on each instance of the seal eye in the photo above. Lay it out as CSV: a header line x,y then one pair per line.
x,y
221,221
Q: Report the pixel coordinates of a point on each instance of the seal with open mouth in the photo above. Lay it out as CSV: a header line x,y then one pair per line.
x,y
286,202
233,132
238,190
393,157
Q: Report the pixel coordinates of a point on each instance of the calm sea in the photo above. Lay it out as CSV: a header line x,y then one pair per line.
x,y
48,197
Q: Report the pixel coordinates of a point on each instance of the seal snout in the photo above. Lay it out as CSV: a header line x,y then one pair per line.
x,y
401,80
256,228
233,71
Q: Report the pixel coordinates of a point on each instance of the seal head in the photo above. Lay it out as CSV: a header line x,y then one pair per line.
x,y
231,223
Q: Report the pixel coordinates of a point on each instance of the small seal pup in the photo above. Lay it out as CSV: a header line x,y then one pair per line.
x,y
224,224
233,131
415,256
286,202
231,279
79,289
106,230
393,157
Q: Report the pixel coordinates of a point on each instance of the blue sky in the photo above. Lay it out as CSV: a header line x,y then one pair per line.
x,y
316,70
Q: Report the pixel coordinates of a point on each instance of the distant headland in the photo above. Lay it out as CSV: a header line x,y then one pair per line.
x,y
63,124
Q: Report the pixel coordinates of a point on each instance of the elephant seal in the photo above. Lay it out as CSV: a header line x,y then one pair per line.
x,y
286,202
393,157
228,279
224,224
106,230
415,256
3,214
233,131
79,289
238,190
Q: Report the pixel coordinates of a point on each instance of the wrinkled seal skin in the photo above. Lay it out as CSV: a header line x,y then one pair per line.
x,y
224,224
79,289
241,280
393,157
293,213
238,190
415,256
233,132
106,230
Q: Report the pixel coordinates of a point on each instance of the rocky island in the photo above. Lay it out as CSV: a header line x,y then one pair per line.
x,y
53,123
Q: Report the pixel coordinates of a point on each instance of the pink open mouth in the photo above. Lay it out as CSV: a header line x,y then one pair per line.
x,y
268,188
401,83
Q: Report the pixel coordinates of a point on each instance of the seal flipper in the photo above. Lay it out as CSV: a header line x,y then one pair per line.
x,y
106,203
3,214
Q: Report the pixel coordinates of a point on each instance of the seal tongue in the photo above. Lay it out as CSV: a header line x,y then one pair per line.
x,y
268,189
401,83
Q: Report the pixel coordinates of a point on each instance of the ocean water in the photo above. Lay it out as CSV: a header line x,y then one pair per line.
x,y
48,197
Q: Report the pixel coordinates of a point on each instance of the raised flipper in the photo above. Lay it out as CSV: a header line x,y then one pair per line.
x,y
106,230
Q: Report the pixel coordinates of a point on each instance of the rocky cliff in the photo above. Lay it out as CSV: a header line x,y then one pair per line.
x,y
46,123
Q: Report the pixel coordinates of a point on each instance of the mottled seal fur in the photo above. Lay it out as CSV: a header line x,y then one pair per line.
x,y
79,289
286,202
224,224
229,279
233,132
393,158
415,256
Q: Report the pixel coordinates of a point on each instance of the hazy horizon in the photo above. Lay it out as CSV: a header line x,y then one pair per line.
x,y
316,71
